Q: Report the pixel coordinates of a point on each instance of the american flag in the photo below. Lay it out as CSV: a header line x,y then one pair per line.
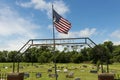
x,y
62,25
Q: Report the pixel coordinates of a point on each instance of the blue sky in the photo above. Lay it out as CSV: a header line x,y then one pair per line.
x,y
21,20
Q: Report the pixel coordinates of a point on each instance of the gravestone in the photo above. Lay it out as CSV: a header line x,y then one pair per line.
x,y
52,75
77,78
70,75
93,71
26,75
105,76
49,70
15,76
38,75
65,70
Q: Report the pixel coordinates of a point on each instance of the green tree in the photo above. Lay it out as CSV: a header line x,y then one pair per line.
x,y
99,54
12,56
116,54
3,56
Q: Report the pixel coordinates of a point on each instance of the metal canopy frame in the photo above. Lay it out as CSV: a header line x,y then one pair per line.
x,y
58,41
49,42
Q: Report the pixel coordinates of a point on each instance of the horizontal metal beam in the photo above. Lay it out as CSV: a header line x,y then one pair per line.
x,y
59,39
56,44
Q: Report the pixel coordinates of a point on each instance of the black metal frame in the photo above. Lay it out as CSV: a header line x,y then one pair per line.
x,y
49,42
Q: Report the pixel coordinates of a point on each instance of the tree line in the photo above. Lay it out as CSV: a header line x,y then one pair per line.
x,y
102,53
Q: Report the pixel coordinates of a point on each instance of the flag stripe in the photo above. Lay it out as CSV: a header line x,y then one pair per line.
x,y
64,23
60,27
60,30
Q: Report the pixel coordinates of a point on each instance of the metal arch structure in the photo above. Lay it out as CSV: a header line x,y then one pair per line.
x,y
58,41
49,42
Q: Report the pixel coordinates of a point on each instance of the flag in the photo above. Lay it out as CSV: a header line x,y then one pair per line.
x,y
62,25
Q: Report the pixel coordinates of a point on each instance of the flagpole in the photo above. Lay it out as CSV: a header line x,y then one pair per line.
x,y
54,45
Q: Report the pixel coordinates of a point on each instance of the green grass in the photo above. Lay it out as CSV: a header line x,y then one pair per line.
x,y
78,69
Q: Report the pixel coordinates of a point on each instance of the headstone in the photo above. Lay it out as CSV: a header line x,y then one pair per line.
x,y
106,76
49,70
52,75
77,78
93,71
38,75
65,70
26,75
58,70
70,75
15,76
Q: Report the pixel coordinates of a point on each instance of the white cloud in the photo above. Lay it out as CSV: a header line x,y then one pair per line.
x,y
14,29
87,32
11,23
42,5
116,34
106,40
15,44
60,7
82,33
116,43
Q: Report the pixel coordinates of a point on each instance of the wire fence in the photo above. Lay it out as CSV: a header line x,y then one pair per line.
x,y
3,76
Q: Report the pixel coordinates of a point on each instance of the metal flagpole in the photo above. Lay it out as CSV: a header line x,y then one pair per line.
x,y
54,45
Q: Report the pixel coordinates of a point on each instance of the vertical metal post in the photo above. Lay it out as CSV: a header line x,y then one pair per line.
x,y
13,66
54,44
18,67
14,58
85,40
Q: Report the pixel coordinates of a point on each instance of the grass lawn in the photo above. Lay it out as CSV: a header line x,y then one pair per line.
x,y
81,71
